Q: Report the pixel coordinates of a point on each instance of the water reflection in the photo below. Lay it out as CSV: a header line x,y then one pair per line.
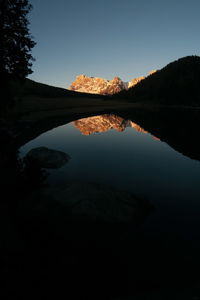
x,y
128,158
179,128
106,122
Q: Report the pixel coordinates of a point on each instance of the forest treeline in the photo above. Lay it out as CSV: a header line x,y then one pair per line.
x,y
177,83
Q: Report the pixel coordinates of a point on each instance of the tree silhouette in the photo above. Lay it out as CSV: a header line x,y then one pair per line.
x,y
15,41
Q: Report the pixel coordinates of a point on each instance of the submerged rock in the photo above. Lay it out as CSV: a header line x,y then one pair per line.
x,y
48,158
93,202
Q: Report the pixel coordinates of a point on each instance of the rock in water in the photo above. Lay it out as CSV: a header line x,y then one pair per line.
x,y
48,158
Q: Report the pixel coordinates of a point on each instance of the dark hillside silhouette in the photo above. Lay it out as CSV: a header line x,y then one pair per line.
x,y
177,83
32,88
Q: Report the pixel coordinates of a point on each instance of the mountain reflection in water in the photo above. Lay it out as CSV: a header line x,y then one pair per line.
x,y
128,158
106,122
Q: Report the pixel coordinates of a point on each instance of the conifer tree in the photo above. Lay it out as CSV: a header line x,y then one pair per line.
x,y
16,42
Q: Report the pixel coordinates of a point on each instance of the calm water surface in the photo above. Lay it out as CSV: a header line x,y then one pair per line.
x,y
109,150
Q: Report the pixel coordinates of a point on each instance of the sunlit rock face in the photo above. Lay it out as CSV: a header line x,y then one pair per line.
x,y
97,85
104,123
152,72
135,81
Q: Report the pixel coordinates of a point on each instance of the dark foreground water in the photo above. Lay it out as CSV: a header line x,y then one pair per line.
x,y
117,152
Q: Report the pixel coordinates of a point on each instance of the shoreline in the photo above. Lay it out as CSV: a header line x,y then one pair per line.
x,y
33,116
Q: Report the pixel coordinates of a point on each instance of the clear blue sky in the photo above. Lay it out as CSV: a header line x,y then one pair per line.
x,y
104,38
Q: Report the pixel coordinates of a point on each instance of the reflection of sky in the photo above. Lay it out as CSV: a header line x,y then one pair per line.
x,y
129,160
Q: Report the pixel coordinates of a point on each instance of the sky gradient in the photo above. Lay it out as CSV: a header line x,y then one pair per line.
x,y
110,38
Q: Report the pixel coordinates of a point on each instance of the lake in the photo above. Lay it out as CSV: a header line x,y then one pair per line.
x,y
109,150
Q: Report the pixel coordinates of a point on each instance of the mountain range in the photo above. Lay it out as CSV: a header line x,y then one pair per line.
x,y
98,85
178,83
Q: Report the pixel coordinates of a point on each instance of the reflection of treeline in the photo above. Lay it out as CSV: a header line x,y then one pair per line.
x,y
178,127
177,83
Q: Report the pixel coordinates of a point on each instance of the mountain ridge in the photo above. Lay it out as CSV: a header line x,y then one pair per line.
x,y
178,83
98,85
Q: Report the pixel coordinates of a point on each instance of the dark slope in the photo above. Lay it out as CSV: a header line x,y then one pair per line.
x,y
33,88
177,83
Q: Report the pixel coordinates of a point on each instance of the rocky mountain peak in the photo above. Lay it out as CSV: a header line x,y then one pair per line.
x,y
98,85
